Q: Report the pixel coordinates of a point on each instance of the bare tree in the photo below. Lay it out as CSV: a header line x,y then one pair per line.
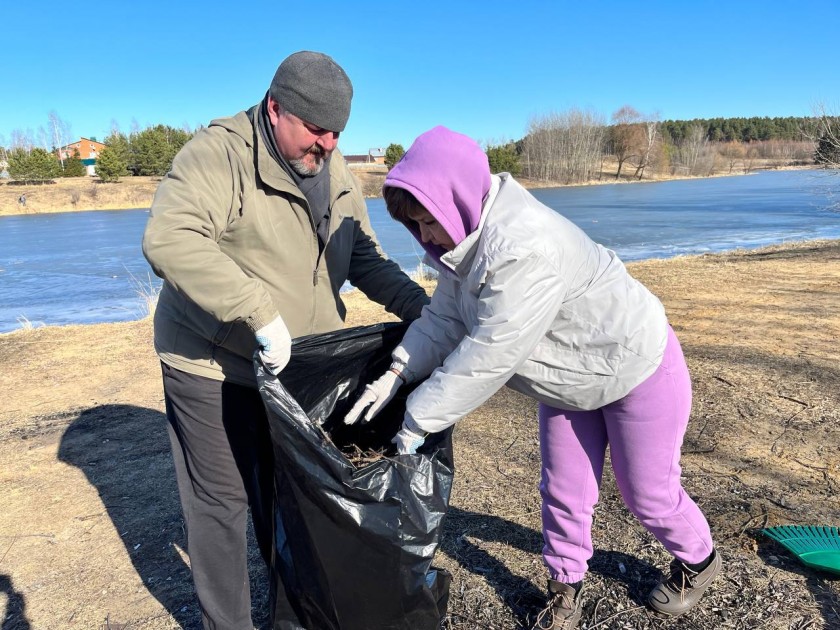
x,y
694,150
732,153
626,135
42,137
750,158
564,147
827,137
22,140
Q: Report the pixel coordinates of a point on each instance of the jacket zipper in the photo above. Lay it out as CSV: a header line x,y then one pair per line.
x,y
333,203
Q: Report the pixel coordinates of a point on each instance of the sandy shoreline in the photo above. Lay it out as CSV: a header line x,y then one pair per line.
x,y
90,531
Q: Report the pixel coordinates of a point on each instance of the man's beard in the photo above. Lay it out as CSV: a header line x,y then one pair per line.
x,y
305,170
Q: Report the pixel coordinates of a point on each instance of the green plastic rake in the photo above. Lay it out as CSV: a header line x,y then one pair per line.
x,y
815,546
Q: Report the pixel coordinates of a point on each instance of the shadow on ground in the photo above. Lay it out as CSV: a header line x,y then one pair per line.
x,y
124,452
15,617
517,592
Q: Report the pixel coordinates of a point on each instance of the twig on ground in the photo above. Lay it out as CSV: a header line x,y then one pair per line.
x,y
16,536
801,463
470,619
698,451
782,434
597,605
9,548
799,402
614,615
752,518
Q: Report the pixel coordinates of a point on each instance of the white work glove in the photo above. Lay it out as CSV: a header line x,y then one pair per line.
x,y
409,438
376,396
275,345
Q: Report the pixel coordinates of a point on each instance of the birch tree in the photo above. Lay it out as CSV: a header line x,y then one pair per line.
x,y
650,139
60,131
692,151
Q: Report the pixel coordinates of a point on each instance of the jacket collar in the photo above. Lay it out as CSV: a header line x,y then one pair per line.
x,y
272,174
461,258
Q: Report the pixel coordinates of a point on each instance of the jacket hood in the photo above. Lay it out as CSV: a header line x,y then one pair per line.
x,y
448,173
240,124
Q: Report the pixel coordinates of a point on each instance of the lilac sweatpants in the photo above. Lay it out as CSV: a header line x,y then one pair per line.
x,y
644,431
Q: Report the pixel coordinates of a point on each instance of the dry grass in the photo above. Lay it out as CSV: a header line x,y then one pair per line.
x,y
77,193
90,528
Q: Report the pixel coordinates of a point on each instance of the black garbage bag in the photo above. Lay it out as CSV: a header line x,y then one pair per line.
x,y
356,525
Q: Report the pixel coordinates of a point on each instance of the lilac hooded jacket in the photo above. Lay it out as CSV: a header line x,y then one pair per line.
x,y
448,174
528,300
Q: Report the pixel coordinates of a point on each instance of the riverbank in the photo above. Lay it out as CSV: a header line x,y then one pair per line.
x,y
90,531
69,194
89,193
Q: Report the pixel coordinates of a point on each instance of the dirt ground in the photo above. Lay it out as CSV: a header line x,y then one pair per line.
x,y
91,534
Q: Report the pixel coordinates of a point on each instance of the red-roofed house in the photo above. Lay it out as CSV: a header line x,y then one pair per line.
x,y
88,150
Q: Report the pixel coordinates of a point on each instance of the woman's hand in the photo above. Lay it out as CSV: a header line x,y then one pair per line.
x,y
410,437
376,396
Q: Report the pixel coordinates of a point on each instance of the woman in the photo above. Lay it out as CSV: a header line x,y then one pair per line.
x,y
526,299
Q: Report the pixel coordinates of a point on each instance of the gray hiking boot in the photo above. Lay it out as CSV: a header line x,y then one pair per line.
x,y
562,610
680,591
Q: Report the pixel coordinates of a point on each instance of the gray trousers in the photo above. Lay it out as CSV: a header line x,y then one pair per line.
x,y
224,465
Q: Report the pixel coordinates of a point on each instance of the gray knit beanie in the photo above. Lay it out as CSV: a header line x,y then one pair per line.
x,y
313,87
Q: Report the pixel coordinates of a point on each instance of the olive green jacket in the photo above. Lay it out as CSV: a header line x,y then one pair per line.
x,y
233,239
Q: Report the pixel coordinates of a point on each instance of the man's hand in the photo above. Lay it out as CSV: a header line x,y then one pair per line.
x,y
409,438
275,345
376,395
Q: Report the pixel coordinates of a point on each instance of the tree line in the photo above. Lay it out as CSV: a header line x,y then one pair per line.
x,y
144,152
147,152
576,146
573,146
753,129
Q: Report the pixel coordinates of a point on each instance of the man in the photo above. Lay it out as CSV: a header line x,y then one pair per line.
x,y
254,230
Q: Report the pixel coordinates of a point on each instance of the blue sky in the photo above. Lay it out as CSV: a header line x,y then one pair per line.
x,y
482,68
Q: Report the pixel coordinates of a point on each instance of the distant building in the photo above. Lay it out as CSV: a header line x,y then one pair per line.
x,y
377,156
86,147
88,150
374,156
357,158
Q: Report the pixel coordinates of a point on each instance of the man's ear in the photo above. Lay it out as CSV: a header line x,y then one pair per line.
x,y
274,111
